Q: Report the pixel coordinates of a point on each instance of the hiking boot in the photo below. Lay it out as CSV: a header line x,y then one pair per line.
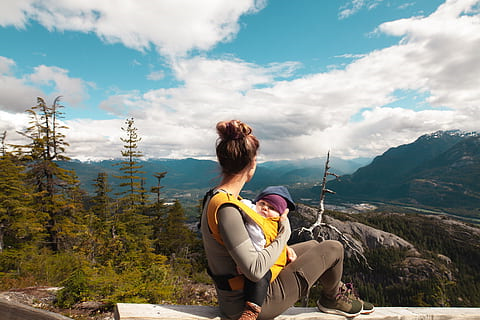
x,y
341,304
250,312
352,294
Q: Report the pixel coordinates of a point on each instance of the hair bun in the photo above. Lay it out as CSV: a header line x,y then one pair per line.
x,y
233,130
236,146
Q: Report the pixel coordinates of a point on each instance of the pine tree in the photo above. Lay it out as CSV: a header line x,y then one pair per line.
x,y
131,166
102,221
175,235
156,190
71,226
51,183
20,224
102,200
158,211
132,228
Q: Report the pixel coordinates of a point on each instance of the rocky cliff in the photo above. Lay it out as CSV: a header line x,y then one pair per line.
x,y
415,266
365,236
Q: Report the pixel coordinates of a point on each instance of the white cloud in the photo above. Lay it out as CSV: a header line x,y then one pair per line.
x,y
310,115
19,93
14,12
122,104
443,48
94,140
350,56
354,6
6,65
180,121
73,90
173,27
16,94
156,75
307,116
437,57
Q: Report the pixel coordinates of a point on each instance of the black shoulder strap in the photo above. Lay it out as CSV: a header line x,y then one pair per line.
x,y
210,193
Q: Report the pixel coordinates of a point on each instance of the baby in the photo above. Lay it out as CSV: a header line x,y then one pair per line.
x,y
270,203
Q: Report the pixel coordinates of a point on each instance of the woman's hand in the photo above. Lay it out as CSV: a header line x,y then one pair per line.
x,y
284,215
291,255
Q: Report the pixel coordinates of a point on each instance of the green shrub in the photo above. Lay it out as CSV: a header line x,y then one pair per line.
x,y
75,289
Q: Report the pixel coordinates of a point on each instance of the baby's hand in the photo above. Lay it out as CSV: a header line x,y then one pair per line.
x,y
284,215
291,255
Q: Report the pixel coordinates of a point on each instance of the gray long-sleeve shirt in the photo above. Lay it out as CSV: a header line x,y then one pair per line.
x,y
238,251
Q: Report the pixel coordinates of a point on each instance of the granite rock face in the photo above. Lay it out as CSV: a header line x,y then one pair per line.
x,y
364,236
361,237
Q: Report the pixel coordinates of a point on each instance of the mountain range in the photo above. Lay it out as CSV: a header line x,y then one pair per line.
x,y
439,170
189,175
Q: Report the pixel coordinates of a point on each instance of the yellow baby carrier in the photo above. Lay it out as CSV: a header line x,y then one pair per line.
x,y
269,227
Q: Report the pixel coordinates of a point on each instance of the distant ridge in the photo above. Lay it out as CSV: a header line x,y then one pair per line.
x,y
191,175
441,169
438,170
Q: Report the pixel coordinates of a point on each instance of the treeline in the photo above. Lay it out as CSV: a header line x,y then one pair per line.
x,y
124,247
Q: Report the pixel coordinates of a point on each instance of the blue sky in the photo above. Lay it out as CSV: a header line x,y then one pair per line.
x,y
351,76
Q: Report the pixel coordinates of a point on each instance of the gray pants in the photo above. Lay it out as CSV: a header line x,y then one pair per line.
x,y
316,261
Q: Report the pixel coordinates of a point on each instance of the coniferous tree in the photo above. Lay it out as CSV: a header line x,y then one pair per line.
x,y
130,166
175,235
20,224
72,218
102,221
156,189
158,212
51,182
102,200
133,231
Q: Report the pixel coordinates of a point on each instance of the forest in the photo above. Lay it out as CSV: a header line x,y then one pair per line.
x,y
131,246
128,246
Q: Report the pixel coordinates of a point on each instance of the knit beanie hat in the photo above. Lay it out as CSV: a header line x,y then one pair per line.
x,y
276,201
279,191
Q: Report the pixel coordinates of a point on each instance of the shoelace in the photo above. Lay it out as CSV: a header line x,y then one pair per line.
x,y
343,294
350,289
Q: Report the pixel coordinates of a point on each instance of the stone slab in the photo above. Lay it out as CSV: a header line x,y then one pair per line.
x,y
133,311
10,310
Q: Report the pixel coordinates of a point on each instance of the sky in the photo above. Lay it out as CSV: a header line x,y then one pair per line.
x,y
353,77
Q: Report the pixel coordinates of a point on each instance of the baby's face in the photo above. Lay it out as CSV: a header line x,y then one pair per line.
x,y
266,209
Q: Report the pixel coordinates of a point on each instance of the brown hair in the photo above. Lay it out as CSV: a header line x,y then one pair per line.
x,y
236,146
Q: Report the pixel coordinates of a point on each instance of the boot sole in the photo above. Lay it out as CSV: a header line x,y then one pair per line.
x,y
367,311
336,311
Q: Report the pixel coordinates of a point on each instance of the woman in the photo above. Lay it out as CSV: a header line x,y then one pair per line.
x,y
232,256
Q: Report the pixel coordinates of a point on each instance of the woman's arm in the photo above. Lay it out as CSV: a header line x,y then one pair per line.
x,y
253,264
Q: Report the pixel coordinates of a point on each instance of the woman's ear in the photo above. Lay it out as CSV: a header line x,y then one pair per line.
x,y
252,168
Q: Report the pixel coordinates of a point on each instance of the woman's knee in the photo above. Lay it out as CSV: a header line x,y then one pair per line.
x,y
333,246
319,249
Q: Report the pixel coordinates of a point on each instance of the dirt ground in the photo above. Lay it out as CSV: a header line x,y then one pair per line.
x,y
43,298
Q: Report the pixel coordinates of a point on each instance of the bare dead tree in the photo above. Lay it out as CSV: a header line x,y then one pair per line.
x,y
315,229
3,147
323,191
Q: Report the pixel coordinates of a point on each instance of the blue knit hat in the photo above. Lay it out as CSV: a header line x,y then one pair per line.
x,y
277,190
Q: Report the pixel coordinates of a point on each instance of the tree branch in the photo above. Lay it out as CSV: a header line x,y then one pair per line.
x,y
315,229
